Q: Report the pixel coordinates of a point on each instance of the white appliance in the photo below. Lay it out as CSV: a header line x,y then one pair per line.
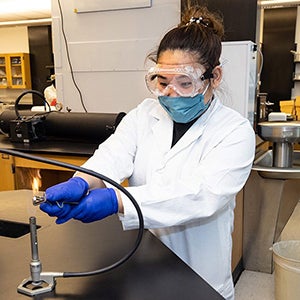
x,y
239,60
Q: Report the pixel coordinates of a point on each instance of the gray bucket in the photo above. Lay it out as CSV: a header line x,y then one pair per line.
x,y
286,255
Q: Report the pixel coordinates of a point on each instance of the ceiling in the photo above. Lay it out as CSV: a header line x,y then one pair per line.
x,y
22,10
16,10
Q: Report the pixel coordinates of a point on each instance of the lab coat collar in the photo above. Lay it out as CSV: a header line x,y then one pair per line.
x,y
163,129
195,131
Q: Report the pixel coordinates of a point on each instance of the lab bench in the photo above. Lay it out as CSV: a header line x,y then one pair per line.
x,y
153,272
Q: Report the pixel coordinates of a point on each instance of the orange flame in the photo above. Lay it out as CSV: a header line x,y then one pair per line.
x,y
36,183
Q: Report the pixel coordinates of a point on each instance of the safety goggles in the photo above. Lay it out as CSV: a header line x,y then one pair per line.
x,y
185,80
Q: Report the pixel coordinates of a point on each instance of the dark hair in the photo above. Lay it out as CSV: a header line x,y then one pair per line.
x,y
200,33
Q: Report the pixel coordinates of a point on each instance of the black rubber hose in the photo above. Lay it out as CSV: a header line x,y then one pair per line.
x,y
29,92
106,179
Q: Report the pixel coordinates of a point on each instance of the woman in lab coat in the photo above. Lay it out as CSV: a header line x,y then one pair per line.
x,y
186,156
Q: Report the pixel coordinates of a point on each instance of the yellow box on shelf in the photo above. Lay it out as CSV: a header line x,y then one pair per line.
x,y
291,107
287,106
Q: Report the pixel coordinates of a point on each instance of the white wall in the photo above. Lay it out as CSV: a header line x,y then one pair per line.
x,y
107,52
14,39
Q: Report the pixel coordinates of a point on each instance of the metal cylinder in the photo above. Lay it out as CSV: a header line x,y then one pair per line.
x,y
33,239
35,264
283,155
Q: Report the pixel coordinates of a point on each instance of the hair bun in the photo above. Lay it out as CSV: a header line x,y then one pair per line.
x,y
202,17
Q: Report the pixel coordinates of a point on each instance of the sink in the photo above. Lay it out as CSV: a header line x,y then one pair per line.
x,y
283,135
271,193
264,166
280,132
270,197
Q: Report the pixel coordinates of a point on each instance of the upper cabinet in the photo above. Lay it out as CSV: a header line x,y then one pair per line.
x,y
3,71
15,71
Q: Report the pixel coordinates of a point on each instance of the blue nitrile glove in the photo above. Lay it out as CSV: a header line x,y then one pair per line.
x,y
97,205
54,210
69,191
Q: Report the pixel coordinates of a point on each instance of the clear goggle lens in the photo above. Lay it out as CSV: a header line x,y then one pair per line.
x,y
185,81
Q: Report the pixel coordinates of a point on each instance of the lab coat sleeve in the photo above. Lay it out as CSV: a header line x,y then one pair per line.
x,y
211,186
114,158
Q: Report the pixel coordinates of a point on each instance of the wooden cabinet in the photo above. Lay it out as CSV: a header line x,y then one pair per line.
x,y
15,71
3,71
15,172
237,236
7,180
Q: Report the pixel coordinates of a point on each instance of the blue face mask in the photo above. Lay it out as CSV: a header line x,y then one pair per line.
x,y
184,109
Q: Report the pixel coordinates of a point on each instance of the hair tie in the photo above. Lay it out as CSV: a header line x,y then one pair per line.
x,y
199,20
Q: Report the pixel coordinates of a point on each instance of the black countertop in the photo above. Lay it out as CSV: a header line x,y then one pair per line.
x,y
73,147
154,272
52,146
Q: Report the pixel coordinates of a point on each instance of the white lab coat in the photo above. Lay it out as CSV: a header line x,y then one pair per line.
x,y
187,192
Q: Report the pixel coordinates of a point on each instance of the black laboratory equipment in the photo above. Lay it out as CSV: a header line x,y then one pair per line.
x,y
31,126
